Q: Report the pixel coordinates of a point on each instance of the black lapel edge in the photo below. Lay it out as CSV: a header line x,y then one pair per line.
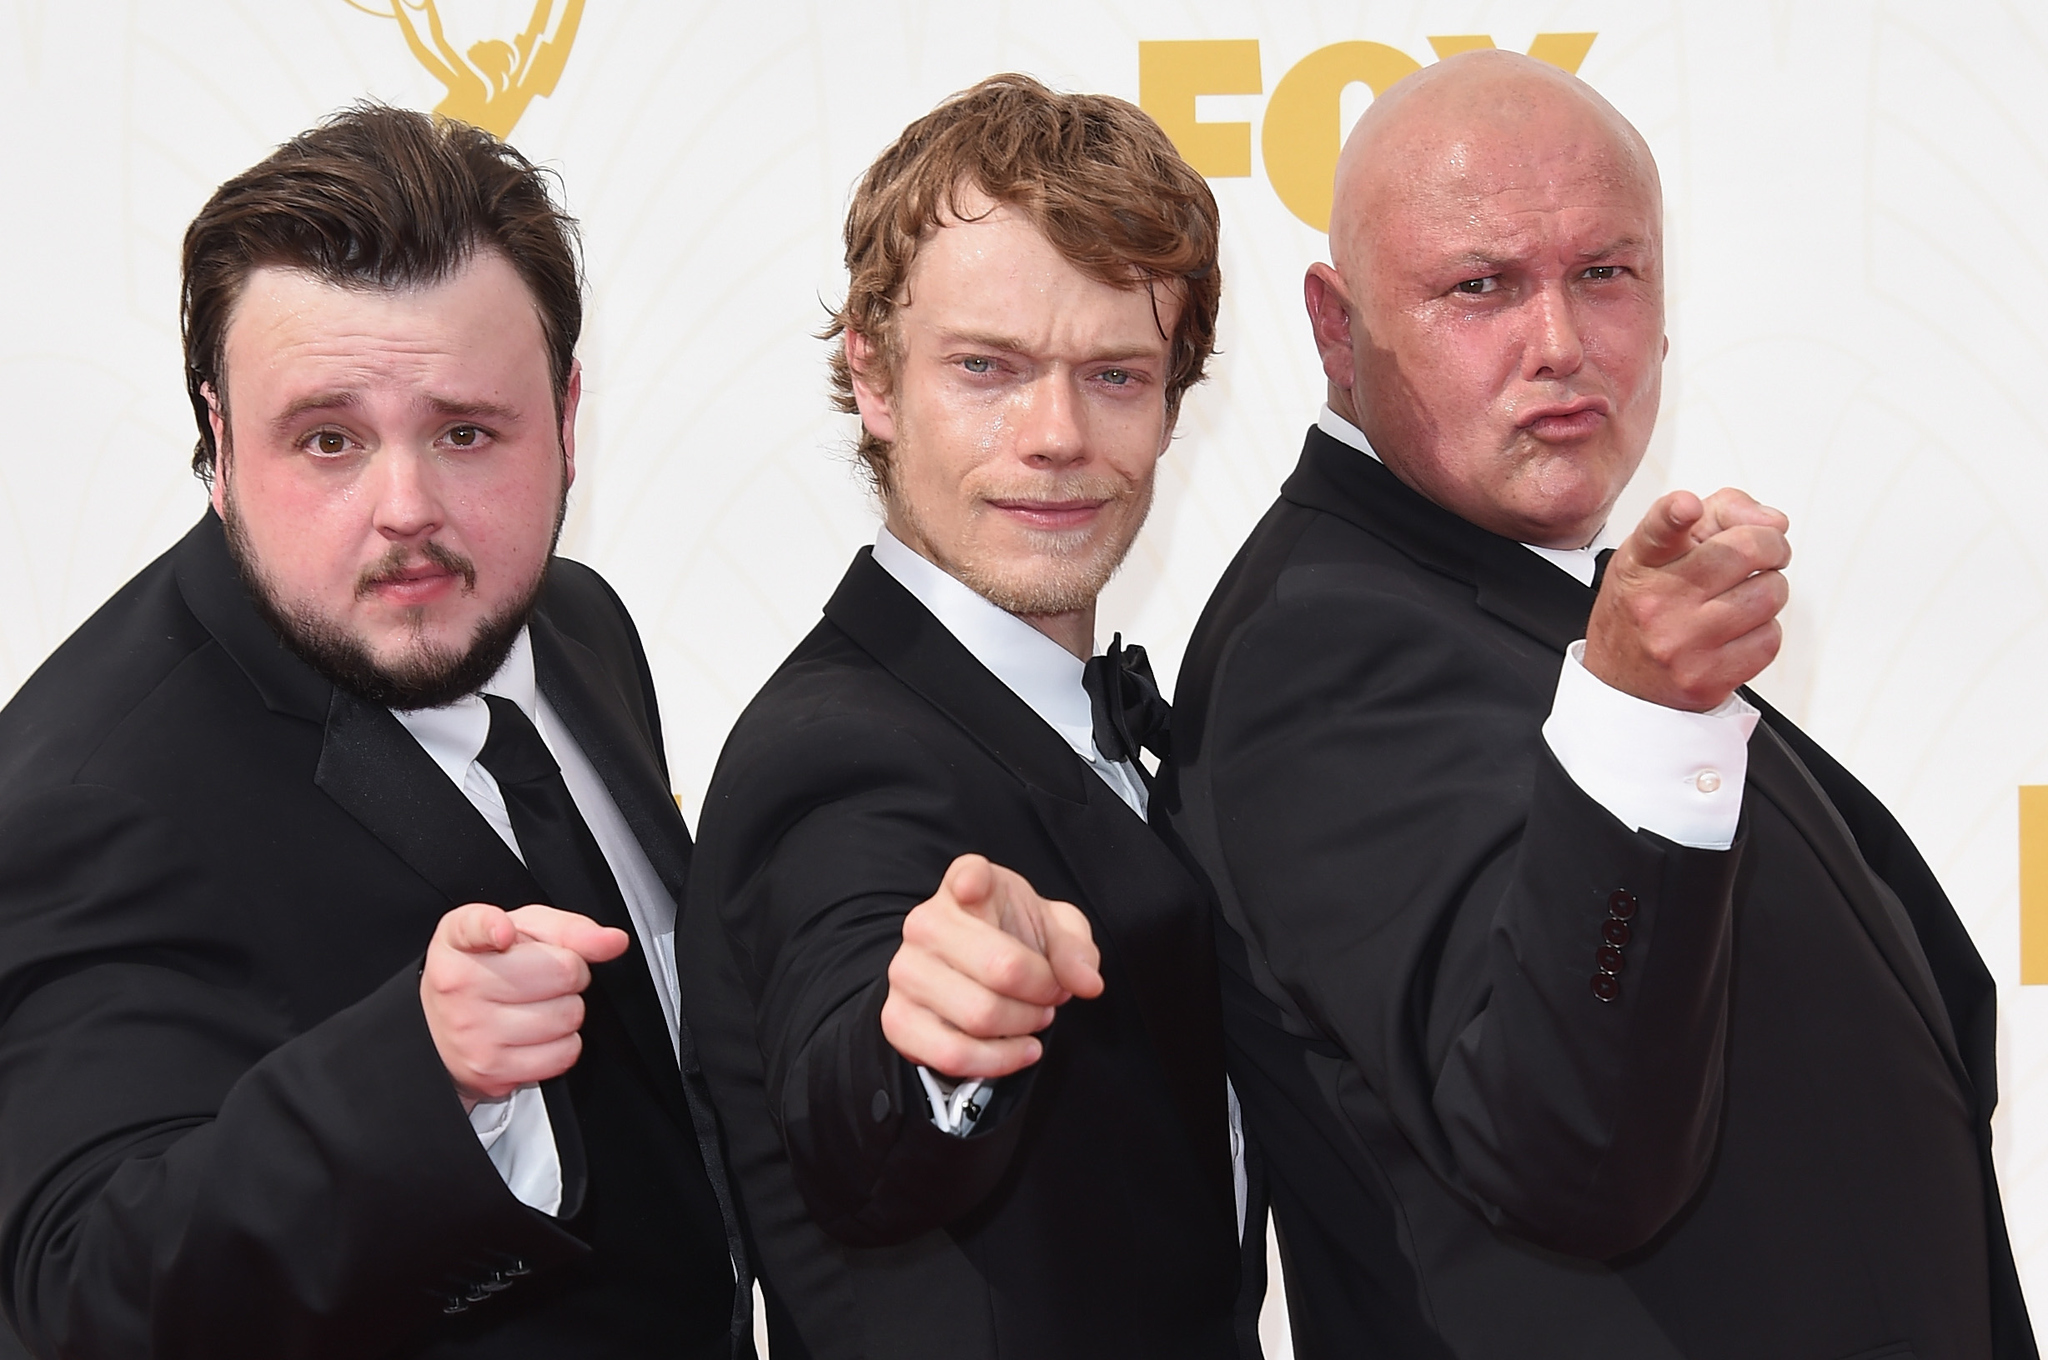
x,y
1835,845
888,623
372,767
572,678
213,591
1512,583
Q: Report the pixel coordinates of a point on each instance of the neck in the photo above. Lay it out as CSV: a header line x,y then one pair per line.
x,y
1073,630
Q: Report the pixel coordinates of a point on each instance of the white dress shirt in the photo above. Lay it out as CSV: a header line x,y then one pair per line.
x,y
1658,769
515,1131
1047,677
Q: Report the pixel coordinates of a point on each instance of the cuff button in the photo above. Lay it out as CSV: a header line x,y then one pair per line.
x,y
1614,932
1605,987
1621,904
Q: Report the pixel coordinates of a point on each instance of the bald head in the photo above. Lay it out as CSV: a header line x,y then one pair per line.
x,y
1424,132
1493,314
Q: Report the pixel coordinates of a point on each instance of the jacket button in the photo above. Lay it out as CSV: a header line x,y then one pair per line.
x,y
1614,932
1609,959
1621,904
879,1106
1605,987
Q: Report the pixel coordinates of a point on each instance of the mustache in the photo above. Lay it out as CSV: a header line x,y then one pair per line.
x,y
1058,487
399,559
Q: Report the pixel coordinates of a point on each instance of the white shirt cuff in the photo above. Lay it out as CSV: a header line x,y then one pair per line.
x,y
520,1141
1658,769
954,1108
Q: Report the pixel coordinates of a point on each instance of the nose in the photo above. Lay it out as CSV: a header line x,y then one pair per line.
x,y
1051,435
408,503
1553,348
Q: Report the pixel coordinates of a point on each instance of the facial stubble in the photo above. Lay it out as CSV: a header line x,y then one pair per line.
x,y
426,676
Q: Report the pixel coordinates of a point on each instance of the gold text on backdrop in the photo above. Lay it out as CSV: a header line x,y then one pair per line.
x,y
1303,124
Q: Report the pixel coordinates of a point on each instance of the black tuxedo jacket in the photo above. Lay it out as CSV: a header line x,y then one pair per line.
x,y
224,1129
1774,1143
1090,1213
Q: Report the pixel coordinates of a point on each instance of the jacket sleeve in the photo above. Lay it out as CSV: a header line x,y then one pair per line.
x,y
1432,890
180,1173
816,843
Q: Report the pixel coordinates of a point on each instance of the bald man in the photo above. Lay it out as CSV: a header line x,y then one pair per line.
x,y
1581,1004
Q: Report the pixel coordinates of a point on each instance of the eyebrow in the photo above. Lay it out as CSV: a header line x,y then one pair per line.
x,y
347,400
1013,345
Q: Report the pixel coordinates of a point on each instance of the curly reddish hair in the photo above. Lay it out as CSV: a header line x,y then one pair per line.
x,y
1094,173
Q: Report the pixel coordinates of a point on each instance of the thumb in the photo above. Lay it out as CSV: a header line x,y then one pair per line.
x,y
1665,535
478,928
971,880
1071,950
568,930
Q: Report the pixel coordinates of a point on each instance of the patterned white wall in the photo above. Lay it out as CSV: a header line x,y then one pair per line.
x,y
1859,330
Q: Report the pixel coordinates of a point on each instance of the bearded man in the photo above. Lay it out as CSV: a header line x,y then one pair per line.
x,y
955,998
313,837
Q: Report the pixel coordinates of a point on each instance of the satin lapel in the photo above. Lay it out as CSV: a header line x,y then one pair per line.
x,y
574,683
1150,915
374,769
888,623
1777,774
1153,924
1510,582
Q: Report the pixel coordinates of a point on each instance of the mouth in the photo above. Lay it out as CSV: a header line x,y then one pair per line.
x,y
1052,515
1562,422
412,587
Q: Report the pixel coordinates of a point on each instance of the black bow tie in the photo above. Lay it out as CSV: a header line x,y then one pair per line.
x,y
1129,710
1600,562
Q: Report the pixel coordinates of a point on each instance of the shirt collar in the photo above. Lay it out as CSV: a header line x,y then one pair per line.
x,y
454,734
1577,562
1045,675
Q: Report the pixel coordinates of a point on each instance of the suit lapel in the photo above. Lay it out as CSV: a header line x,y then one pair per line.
x,y
1776,773
1137,892
373,768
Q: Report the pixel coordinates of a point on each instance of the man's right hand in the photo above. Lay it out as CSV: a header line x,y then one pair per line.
x,y
503,994
1688,610
984,965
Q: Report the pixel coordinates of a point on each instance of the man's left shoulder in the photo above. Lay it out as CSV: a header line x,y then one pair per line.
x,y
583,606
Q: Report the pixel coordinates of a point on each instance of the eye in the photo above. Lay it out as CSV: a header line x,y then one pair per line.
x,y
978,363
1116,377
1477,287
465,436
330,442
1603,271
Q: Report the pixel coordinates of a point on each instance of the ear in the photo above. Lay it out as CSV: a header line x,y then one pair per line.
x,y
218,494
1329,317
571,399
863,358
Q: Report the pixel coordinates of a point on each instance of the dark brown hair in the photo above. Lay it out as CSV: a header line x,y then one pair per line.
x,y
379,198
1095,174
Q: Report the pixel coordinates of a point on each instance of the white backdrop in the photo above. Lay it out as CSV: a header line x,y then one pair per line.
x,y
1859,281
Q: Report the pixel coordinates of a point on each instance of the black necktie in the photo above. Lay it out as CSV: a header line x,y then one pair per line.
x,y
1129,710
557,845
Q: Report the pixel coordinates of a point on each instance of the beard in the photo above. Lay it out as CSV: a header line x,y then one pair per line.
x,y
425,675
1067,570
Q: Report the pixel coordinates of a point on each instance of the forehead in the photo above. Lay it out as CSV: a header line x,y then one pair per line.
x,y
993,264
1513,185
482,317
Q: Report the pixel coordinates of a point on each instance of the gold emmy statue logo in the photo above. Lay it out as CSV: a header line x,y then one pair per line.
x,y
490,82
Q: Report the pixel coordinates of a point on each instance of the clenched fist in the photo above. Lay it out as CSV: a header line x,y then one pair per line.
x,y
1688,610
984,965
503,994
